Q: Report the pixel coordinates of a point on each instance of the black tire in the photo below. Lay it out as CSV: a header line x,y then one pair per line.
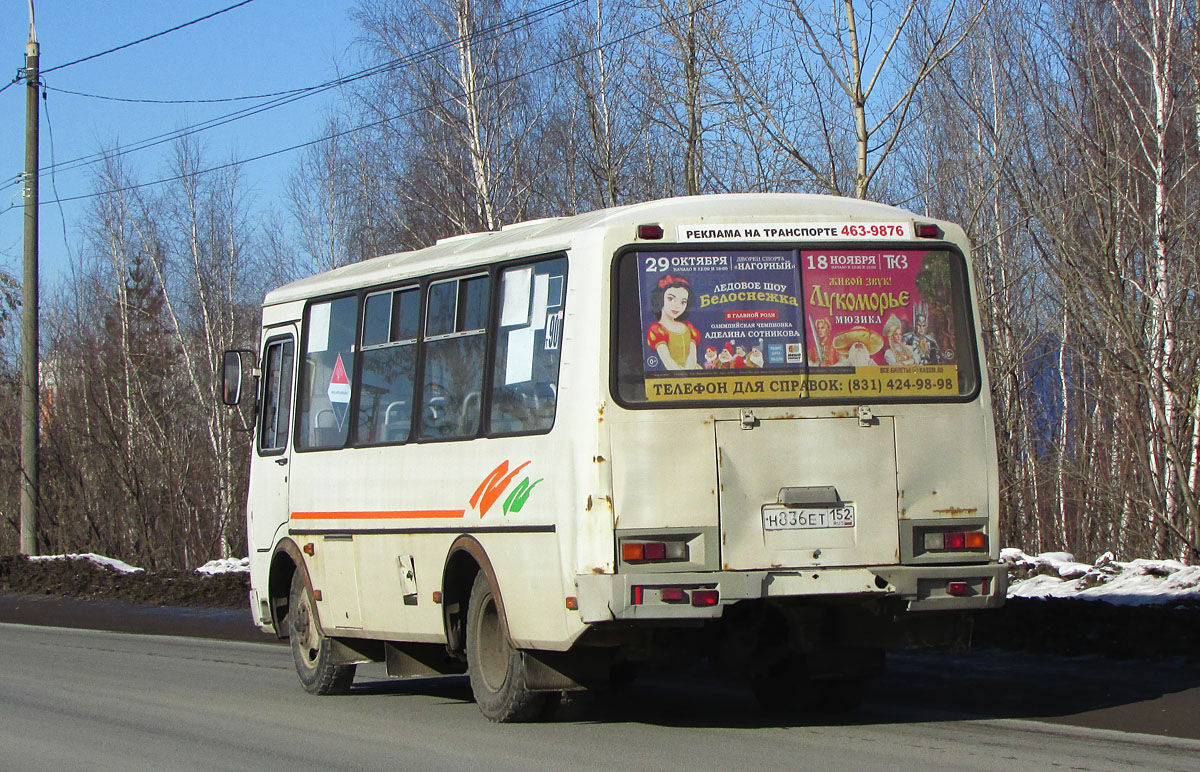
x,y
841,695
311,649
496,669
784,688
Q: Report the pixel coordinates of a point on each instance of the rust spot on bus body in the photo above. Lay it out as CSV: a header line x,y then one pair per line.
x,y
599,459
588,508
956,511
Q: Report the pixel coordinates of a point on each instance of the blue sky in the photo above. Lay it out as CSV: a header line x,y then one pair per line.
x,y
262,47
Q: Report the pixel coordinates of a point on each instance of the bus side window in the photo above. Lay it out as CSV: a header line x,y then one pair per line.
x,y
528,347
323,401
277,396
455,337
389,357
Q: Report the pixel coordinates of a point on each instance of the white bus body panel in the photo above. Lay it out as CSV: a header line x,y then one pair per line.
x,y
604,468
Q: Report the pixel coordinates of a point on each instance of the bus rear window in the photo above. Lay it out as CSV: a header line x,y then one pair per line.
x,y
749,326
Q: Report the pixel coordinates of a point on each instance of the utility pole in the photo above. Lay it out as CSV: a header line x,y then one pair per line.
x,y
29,306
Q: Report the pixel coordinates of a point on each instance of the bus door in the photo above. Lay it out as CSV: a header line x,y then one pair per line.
x,y
807,491
268,500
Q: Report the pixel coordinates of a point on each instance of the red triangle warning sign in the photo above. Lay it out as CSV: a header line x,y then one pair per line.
x,y
339,385
339,372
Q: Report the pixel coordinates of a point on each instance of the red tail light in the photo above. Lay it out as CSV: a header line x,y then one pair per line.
x,y
958,589
653,551
955,540
703,598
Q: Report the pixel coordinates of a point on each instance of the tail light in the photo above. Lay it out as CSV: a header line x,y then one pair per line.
x,y
973,541
699,598
653,551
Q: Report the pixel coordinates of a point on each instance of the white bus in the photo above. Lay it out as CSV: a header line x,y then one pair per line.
x,y
752,428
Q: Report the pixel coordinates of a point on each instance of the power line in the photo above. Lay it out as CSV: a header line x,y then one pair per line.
x,y
54,177
380,122
287,97
148,37
177,101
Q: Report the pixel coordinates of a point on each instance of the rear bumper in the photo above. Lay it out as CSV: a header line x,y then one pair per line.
x,y
608,597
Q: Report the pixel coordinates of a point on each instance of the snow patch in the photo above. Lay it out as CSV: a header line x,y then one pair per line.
x,y
1133,583
117,565
225,566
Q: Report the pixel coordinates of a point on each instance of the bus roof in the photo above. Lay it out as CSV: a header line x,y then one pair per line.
x,y
557,233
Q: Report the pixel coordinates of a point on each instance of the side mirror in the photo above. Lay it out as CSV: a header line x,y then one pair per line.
x,y
231,377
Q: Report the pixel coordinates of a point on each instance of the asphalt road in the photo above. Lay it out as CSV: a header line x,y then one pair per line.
x,y
84,699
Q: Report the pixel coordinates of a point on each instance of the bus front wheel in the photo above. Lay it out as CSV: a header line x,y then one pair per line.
x,y
312,651
496,669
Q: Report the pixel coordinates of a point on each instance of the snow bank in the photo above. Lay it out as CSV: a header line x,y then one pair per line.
x,y
113,563
1135,583
225,566
222,566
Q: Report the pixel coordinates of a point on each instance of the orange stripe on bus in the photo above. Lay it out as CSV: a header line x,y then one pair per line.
x,y
405,514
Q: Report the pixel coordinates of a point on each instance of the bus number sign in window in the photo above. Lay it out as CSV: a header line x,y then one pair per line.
x,y
785,325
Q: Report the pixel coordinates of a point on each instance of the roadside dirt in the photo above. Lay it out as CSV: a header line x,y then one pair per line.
x,y
62,590
81,578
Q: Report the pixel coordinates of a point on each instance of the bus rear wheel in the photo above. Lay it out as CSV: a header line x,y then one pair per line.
x,y
312,651
496,669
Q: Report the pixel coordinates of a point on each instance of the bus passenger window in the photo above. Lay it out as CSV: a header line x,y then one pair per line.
x,y
389,360
324,399
455,336
277,396
528,347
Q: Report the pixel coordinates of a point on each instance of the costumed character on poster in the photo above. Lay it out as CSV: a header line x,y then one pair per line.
x,y
707,314
871,310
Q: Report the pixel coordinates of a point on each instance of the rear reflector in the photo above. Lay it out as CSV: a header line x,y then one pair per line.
x,y
637,595
705,597
958,589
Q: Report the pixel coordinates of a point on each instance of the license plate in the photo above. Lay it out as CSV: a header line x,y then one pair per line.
x,y
798,518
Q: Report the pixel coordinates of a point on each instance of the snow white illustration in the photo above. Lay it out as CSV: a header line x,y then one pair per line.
x,y
672,337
